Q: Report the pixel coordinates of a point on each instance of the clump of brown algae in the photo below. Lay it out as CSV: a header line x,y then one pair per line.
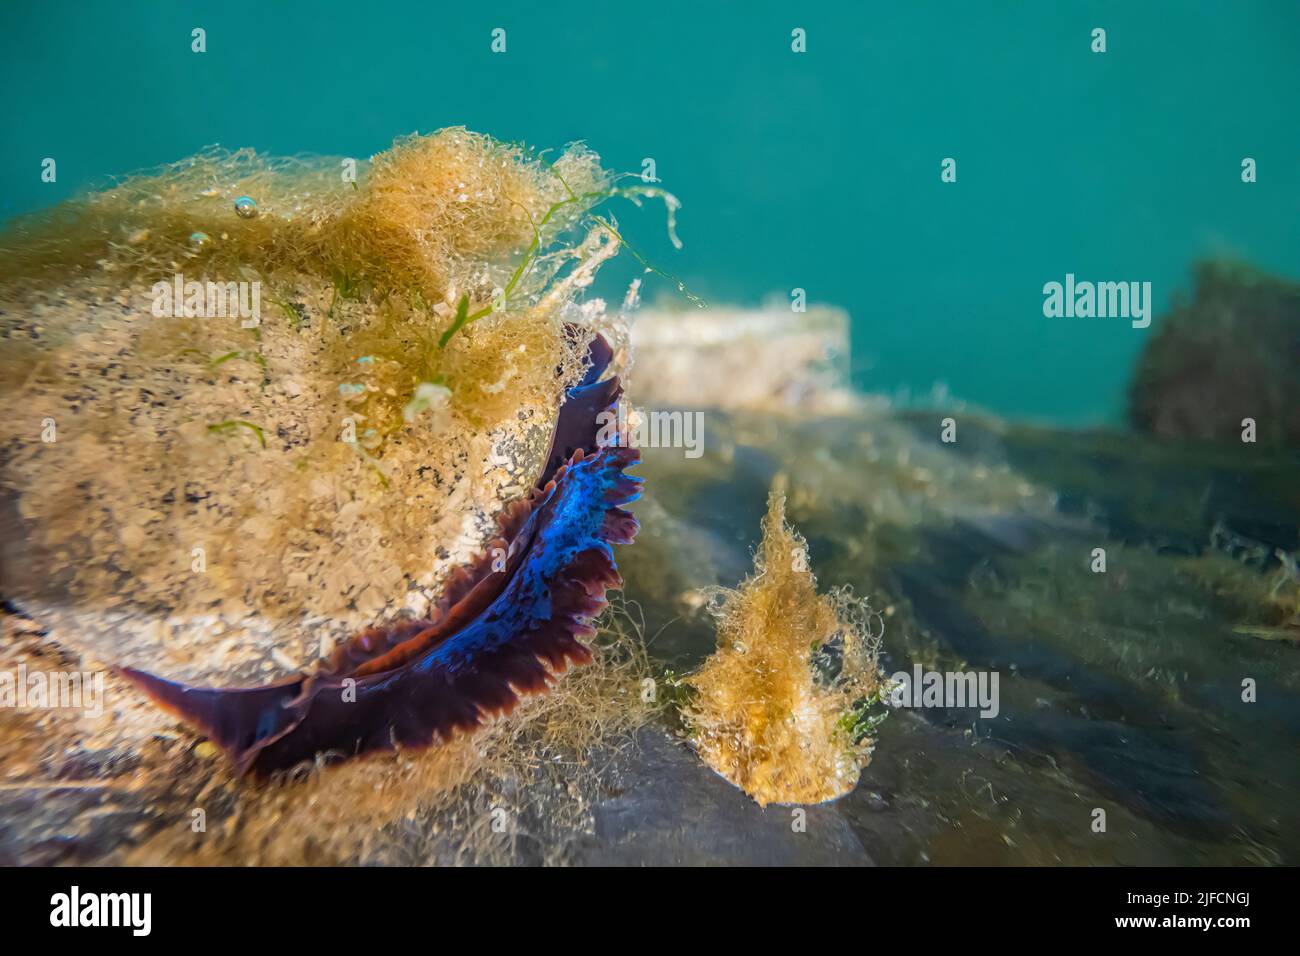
x,y
780,708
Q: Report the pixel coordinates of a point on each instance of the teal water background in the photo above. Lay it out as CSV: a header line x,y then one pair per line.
x,y
816,170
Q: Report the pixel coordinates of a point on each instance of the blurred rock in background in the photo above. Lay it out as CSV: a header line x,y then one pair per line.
x,y
1231,353
767,359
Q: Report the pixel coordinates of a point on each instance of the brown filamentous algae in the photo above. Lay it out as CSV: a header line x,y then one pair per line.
x,y
780,705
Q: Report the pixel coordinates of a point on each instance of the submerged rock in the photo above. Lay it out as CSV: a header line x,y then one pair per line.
x,y
769,358
1120,690
1229,354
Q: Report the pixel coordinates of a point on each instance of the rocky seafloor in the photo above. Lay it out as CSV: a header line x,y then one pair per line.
x,y
1120,690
